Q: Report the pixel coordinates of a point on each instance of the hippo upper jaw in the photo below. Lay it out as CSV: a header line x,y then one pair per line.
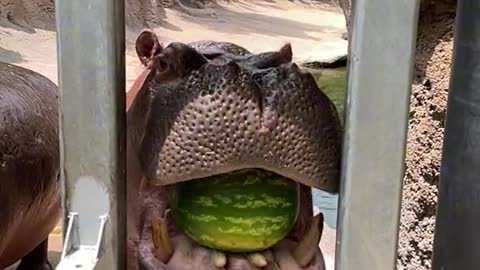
x,y
220,118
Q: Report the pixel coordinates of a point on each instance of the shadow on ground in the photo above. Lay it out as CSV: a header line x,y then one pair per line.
x,y
246,23
9,56
53,257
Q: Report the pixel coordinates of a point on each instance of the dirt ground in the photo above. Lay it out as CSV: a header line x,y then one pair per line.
x,y
313,30
425,138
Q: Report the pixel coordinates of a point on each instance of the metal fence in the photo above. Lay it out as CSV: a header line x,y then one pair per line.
x,y
381,57
91,48
91,45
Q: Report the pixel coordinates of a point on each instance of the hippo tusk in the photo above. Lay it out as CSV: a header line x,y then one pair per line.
x,y
257,259
306,249
219,259
163,247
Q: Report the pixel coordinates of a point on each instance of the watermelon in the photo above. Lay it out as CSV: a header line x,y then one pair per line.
x,y
243,211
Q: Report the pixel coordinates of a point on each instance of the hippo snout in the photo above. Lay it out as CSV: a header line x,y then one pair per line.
x,y
207,118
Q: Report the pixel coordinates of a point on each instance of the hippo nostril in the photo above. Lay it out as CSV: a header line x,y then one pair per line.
x,y
232,69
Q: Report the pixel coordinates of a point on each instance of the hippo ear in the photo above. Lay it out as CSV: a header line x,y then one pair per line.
x,y
147,46
274,58
286,53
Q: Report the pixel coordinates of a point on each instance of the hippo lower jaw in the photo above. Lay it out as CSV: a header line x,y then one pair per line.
x,y
176,251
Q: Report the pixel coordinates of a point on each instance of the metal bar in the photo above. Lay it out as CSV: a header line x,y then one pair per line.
x,y
457,237
377,108
91,50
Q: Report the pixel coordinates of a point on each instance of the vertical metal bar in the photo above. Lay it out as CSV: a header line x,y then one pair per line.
x,y
91,49
457,236
379,86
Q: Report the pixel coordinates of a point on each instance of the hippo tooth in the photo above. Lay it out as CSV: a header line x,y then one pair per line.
x,y
233,67
257,259
219,259
269,256
305,251
271,264
163,246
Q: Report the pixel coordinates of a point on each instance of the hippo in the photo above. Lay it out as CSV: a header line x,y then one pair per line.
x,y
30,200
197,112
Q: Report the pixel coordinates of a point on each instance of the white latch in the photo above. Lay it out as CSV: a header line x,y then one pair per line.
x,y
78,256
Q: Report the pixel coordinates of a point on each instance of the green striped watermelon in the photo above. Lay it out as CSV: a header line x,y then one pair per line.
x,y
243,211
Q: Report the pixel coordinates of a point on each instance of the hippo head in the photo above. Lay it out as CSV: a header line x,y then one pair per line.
x,y
202,113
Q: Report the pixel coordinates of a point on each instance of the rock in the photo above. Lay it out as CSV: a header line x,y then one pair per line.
x,y
328,54
334,62
332,52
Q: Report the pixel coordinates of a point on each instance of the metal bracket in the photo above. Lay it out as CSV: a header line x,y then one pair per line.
x,y
78,256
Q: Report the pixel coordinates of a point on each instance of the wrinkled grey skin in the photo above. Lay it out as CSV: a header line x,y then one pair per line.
x,y
209,47
29,167
203,112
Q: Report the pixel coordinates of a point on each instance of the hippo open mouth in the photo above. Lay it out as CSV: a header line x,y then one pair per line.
x,y
203,113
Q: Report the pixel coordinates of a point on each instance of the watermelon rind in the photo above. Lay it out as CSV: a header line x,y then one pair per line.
x,y
243,211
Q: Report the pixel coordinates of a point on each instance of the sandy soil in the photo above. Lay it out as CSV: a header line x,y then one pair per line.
x,y
313,30
425,138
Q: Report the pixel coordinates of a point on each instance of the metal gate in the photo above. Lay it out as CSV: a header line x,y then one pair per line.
x,y
91,46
